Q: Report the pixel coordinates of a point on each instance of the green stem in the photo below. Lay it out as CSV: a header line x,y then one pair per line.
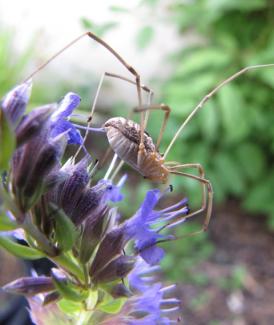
x,y
39,237
67,264
85,269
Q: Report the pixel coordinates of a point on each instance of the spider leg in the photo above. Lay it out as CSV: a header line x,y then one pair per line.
x,y
105,45
207,194
209,95
162,107
94,102
118,57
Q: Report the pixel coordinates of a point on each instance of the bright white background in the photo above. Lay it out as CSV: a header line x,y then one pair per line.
x,y
55,23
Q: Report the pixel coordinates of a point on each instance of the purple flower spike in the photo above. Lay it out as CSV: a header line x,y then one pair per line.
x,y
15,102
59,122
140,225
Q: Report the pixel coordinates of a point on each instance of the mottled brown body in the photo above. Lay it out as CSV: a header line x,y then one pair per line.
x,y
124,137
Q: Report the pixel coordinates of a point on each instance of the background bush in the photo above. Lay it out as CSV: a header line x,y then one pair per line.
x,y
233,136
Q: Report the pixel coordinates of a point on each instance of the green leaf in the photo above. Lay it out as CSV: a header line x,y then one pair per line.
x,y
65,230
70,307
233,113
68,290
98,29
110,305
118,9
260,197
209,122
7,141
252,160
229,173
144,37
151,3
203,59
225,5
87,23
19,250
6,224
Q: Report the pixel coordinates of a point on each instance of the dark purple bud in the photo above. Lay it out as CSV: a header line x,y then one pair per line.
x,y
92,234
51,297
120,290
94,200
32,123
42,217
110,247
69,192
55,177
116,269
30,168
30,286
87,203
15,102
47,158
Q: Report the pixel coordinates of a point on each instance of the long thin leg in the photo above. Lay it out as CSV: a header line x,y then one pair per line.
x,y
162,107
208,207
122,61
209,95
94,102
206,188
104,44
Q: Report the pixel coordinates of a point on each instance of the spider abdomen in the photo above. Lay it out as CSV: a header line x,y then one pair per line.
x,y
124,138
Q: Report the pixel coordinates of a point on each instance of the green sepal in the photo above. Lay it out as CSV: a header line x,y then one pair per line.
x,y
111,305
19,250
70,307
69,290
7,141
6,224
65,230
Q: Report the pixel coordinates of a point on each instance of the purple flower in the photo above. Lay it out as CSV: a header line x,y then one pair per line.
x,y
142,276
143,226
59,122
152,307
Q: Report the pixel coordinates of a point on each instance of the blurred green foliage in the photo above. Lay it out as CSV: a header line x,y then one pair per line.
x,y
186,254
233,135
235,281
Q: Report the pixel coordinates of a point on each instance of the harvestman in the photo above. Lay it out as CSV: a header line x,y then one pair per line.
x,y
134,146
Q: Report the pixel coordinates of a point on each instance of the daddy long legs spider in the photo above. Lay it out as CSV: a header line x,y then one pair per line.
x,y
135,147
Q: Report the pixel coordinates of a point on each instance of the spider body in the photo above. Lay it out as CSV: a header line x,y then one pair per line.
x,y
124,137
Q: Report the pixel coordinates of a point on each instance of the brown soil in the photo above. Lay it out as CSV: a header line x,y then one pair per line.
x,y
239,240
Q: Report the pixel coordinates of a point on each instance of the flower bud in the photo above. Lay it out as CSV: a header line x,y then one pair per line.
x,y
32,123
92,233
110,247
51,297
15,102
30,286
29,175
116,269
120,290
